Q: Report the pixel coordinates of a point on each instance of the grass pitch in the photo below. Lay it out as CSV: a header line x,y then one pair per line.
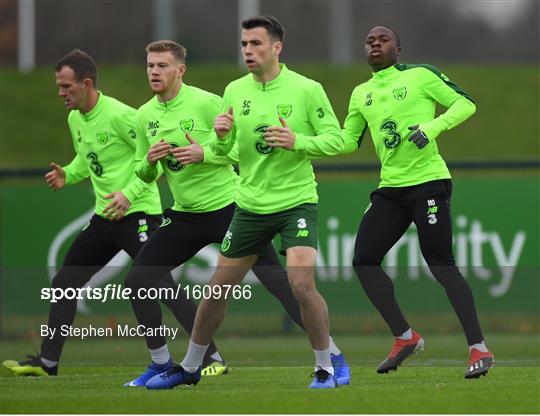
x,y
270,375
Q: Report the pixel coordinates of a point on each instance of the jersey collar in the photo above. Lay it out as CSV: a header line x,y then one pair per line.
x,y
175,101
275,82
97,108
385,73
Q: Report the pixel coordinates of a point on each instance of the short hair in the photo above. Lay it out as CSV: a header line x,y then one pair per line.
x,y
178,51
82,64
398,40
270,23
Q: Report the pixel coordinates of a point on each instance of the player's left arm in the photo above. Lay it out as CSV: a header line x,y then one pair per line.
x,y
327,140
441,89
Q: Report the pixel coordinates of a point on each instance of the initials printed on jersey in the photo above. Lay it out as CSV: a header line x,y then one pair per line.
x,y
152,128
246,107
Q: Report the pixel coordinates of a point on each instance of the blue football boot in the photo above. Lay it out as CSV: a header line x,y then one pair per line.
x,y
342,371
173,377
152,370
322,379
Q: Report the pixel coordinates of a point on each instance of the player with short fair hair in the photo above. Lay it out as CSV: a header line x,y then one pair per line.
x,y
398,105
127,209
169,128
278,120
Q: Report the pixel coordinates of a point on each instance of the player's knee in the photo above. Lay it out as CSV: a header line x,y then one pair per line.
x,y
362,258
62,280
447,275
135,278
303,290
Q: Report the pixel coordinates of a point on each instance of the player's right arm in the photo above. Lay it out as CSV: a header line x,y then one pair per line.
x,y
146,157
225,133
355,125
74,172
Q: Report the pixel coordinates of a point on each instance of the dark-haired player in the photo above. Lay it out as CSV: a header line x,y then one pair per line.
x,y
127,209
169,128
398,106
278,120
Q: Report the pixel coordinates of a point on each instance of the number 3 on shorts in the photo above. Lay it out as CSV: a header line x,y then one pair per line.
x,y
301,223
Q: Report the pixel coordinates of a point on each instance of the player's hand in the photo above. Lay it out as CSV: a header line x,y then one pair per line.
x,y
158,151
56,178
118,207
193,153
223,123
280,136
419,138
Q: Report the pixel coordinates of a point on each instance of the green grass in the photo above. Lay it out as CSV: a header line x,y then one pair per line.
x,y
34,127
270,375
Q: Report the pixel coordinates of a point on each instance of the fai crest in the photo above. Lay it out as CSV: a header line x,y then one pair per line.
x,y
400,93
284,110
102,137
187,125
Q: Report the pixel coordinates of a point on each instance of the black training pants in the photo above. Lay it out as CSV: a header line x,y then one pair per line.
x,y
391,212
180,237
95,245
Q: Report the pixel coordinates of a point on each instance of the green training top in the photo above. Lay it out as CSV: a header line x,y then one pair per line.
x,y
394,99
104,141
197,187
276,179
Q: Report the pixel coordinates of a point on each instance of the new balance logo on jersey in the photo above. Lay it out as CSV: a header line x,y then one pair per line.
x,y
369,99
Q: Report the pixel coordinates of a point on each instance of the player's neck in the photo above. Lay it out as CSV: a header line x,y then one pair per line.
x,y
382,67
93,97
171,93
269,75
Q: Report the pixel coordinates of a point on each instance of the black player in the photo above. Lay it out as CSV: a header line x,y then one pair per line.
x,y
398,105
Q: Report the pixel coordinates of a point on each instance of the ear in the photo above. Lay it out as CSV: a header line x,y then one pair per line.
x,y
181,70
88,83
398,50
277,47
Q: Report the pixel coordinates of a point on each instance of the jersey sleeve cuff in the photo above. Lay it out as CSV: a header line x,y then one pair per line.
x,y
300,144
